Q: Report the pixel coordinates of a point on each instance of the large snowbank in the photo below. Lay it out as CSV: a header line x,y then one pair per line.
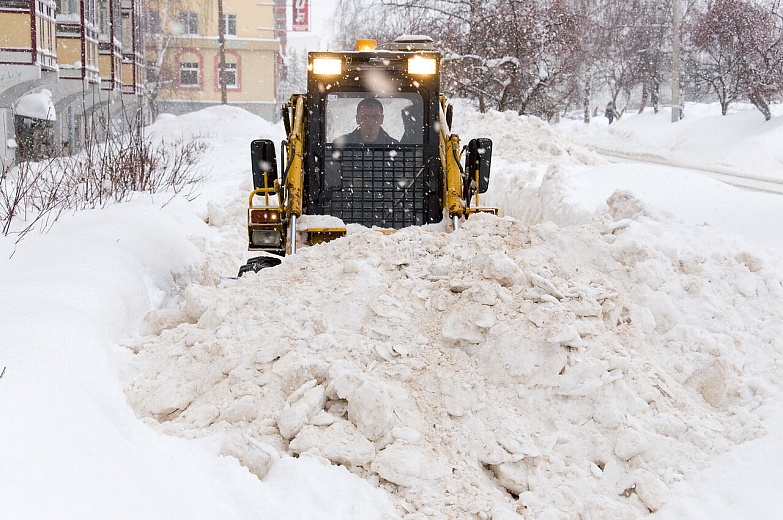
x,y
589,352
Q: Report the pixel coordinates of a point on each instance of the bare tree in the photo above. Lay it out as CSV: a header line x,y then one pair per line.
x,y
737,50
543,56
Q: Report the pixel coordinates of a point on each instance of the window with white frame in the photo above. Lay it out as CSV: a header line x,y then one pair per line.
x,y
188,74
230,73
189,22
230,24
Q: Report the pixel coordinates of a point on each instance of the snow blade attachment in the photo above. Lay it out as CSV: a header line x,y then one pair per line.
x,y
257,263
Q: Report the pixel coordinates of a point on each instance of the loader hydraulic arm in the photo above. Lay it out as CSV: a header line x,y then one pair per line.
x,y
450,158
294,149
294,178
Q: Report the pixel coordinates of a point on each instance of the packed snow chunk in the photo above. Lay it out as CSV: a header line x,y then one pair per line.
x,y
197,301
166,401
624,205
410,466
651,491
715,381
371,409
293,417
458,326
483,317
387,307
296,369
252,454
344,381
496,265
485,293
513,355
629,444
512,475
244,408
584,379
339,442
158,320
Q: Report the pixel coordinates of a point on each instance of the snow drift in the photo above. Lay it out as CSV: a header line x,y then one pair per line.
x,y
511,369
585,354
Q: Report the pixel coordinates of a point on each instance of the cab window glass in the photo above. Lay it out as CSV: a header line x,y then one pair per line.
x,y
402,118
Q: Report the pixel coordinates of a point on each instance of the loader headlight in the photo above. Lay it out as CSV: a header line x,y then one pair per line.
x,y
327,66
422,65
265,237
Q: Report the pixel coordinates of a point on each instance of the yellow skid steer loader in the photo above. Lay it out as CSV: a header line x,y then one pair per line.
x,y
370,143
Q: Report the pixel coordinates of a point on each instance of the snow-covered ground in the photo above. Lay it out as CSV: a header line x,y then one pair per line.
x,y
591,353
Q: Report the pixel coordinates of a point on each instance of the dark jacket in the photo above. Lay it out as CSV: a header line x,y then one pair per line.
x,y
355,137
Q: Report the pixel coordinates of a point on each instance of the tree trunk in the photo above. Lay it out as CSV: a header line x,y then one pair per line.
x,y
760,103
654,97
588,94
645,95
222,51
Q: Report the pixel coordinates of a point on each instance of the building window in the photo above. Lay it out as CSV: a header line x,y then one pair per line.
x,y
188,74
15,4
230,73
189,22
230,24
152,22
69,7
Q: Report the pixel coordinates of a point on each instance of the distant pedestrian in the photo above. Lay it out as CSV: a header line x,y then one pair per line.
x,y
610,112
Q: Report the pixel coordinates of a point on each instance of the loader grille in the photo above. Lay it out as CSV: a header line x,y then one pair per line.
x,y
385,187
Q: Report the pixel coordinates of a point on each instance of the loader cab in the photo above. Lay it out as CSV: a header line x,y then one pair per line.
x,y
392,182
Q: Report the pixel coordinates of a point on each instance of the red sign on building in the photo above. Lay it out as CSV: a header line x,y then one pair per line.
x,y
301,15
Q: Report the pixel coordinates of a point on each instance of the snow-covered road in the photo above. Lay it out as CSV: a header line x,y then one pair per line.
x,y
733,178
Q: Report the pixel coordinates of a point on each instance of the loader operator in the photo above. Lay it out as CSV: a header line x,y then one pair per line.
x,y
369,117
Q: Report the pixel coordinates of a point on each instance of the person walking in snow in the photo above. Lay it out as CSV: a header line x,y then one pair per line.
x,y
610,112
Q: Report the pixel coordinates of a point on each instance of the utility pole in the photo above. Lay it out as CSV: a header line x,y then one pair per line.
x,y
676,61
222,50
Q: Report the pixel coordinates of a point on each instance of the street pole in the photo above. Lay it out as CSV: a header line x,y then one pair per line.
x,y
222,50
676,61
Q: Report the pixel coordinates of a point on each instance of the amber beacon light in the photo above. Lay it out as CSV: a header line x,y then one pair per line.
x,y
366,45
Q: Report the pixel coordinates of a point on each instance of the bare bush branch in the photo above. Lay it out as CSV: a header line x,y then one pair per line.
x,y
35,194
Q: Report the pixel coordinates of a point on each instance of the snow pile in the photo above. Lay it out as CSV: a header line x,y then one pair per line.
x,y
511,369
500,371
37,105
520,138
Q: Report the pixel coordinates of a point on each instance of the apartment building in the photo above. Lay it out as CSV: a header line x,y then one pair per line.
x,y
68,69
184,54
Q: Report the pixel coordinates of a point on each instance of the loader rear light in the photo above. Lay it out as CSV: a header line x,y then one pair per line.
x,y
265,237
327,66
422,65
264,216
